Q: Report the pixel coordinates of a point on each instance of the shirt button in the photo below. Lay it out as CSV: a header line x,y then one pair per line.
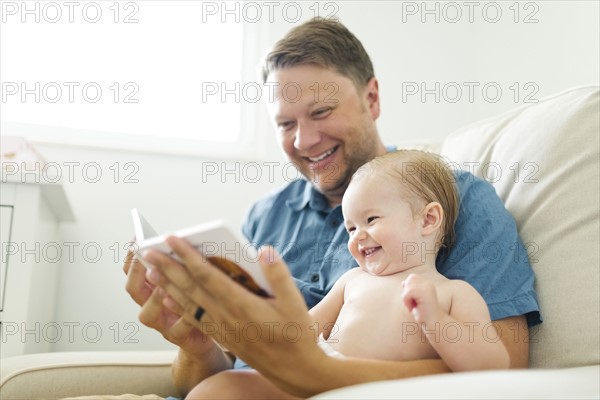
x,y
334,223
314,278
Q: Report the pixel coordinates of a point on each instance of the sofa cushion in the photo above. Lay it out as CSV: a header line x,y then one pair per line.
x,y
70,374
543,160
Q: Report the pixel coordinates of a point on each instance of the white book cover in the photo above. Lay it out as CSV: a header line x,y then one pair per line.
x,y
232,255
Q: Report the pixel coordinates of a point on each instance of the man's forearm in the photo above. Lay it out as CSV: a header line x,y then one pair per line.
x,y
514,334
188,370
335,373
315,373
471,340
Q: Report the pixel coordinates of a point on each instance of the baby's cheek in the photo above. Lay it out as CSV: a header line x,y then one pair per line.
x,y
353,249
356,254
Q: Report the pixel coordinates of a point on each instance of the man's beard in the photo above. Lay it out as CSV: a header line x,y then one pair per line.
x,y
352,164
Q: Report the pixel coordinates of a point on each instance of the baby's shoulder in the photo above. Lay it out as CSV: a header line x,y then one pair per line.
x,y
464,299
456,284
456,289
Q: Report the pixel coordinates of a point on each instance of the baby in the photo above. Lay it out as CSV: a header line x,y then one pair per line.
x,y
399,211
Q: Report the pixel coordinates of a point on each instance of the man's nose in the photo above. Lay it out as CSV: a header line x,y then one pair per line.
x,y
307,135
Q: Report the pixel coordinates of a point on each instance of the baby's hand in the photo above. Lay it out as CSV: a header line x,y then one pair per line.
x,y
420,299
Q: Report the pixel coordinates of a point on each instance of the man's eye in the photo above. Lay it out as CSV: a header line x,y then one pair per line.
x,y
321,112
286,125
371,219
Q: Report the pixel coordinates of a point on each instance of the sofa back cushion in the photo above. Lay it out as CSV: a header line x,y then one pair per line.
x,y
543,160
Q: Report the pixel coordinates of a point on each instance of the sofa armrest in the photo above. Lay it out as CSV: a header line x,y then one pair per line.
x,y
70,374
564,383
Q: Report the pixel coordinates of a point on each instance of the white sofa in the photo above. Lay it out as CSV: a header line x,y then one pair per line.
x,y
543,160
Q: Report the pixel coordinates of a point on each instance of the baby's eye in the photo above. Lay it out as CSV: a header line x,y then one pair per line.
x,y
350,230
371,219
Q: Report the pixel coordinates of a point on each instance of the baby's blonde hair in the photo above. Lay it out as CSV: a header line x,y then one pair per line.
x,y
427,177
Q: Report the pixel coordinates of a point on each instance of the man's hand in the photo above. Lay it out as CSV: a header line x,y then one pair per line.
x,y
199,357
155,313
262,332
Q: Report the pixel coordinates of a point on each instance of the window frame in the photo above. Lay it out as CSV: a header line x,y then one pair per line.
x,y
249,144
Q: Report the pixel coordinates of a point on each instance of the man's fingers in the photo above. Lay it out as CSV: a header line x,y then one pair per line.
x,y
151,310
172,305
136,285
168,269
181,282
180,331
210,283
277,274
171,325
129,260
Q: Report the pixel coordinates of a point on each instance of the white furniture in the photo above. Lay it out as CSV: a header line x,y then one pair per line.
x,y
31,209
546,159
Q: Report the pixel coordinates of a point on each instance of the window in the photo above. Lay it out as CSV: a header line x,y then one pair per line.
x,y
115,74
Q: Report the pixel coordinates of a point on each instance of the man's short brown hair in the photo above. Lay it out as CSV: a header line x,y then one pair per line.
x,y
323,42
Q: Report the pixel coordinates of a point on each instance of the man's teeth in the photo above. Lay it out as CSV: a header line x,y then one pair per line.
x,y
322,156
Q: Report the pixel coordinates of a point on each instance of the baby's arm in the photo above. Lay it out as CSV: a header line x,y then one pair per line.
x,y
464,337
326,312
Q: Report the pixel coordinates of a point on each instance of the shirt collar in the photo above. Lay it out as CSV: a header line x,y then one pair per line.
x,y
310,197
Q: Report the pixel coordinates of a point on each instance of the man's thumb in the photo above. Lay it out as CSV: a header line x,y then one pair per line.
x,y
276,272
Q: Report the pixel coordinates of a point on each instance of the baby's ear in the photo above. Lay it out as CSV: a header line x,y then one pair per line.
x,y
432,217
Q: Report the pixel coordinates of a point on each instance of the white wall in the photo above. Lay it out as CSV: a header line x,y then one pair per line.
x,y
559,51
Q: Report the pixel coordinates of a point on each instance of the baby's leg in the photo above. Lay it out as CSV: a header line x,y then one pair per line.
x,y
237,384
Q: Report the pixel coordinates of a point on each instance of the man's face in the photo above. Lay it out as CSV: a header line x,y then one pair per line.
x,y
324,126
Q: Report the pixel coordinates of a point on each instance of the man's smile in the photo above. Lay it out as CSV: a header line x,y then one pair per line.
x,y
322,156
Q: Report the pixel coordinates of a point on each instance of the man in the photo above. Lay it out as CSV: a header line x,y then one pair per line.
x,y
327,128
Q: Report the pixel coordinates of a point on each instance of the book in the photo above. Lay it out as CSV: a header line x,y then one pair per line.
x,y
216,242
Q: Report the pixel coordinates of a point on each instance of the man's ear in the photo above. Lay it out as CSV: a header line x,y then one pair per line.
x,y
432,217
372,96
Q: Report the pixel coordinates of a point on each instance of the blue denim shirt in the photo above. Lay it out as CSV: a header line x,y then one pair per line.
x,y
309,235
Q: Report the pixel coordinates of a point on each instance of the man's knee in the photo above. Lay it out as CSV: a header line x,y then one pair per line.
x,y
228,384
224,385
236,384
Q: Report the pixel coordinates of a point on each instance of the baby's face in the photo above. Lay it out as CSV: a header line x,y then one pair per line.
x,y
385,234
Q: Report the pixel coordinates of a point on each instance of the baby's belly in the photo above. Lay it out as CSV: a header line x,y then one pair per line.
x,y
393,335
